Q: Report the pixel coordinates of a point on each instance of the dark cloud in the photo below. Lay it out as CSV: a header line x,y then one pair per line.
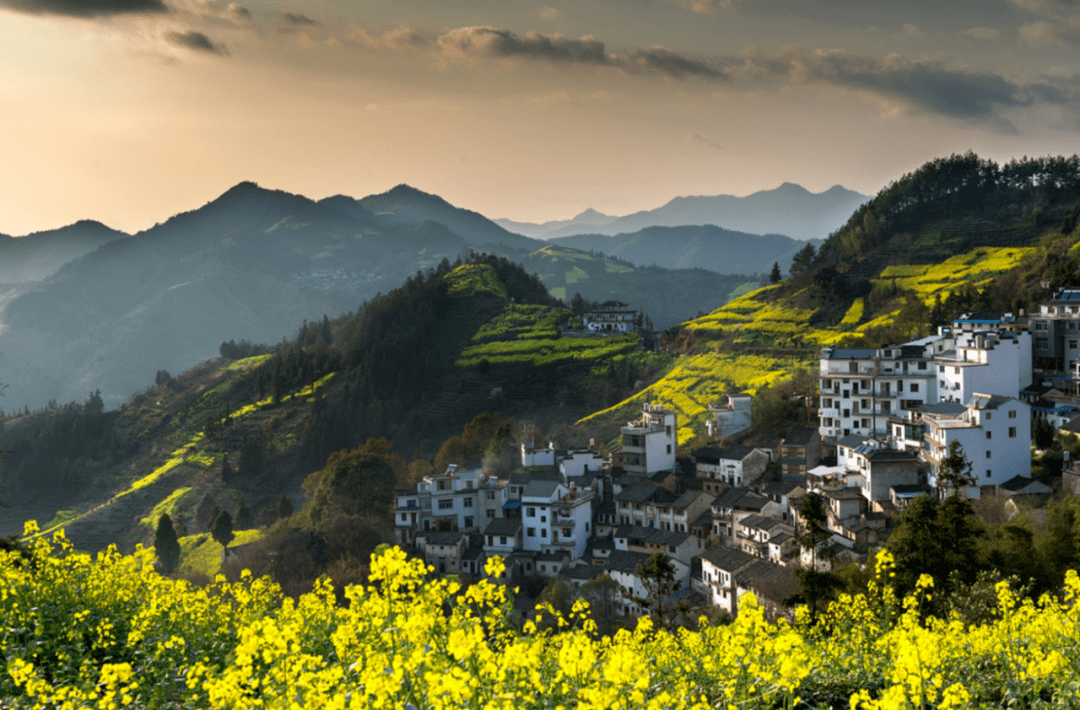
x,y
493,42
196,41
83,8
298,20
673,64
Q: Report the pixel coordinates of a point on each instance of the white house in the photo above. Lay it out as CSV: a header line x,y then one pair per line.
x,y
990,362
455,500
648,445
532,456
735,465
556,517
579,462
612,316
994,432
731,418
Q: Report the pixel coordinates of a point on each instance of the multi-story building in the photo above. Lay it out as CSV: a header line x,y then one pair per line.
x,y
736,465
1056,347
652,506
989,362
612,316
731,418
994,432
455,500
556,517
648,445
800,452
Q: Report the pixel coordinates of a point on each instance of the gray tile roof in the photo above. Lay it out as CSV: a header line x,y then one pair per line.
x,y
726,558
652,536
507,527
441,538
799,436
540,489
625,561
583,573
639,493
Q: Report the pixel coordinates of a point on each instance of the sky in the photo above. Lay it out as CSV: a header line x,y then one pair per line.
x,y
130,111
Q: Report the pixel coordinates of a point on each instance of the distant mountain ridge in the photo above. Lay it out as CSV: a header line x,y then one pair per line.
x,y
789,209
41,254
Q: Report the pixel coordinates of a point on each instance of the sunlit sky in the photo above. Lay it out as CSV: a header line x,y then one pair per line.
x,y
129,111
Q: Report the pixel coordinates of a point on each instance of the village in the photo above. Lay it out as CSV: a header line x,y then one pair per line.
x,y
728,518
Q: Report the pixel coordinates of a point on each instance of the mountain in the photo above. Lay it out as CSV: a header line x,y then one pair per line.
x,y
689,247
585,222
790,209
251,265
667,296
415,365
960,234
406,205
37,256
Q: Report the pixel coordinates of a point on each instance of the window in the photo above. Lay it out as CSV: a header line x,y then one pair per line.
x,y
956,370
543,532
404,517
1042,343
566,532
913,387
922,365
988,454
941,368
988,473
586,527
530,512
1012,432
827,403
988,434
554,535
1012,414
468,521
491,513
543,518
1040,325
410,504
491,495
468,502
669,448
446,503
1072,345
531,532
989,415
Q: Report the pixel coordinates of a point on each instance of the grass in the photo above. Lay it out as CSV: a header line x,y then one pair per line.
x,y
167,506
247,363
474,279
520,321
545,351
201,554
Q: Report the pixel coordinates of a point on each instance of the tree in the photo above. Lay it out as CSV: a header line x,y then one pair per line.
x,y
242,517
815,586
775,276
252,457
954,471
162,377
602,593
284,507
1044,434
221,528
657,575
559,593
802,260
356,481
166,544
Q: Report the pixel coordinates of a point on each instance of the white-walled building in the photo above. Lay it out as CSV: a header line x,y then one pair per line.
x,y
612,316
531,456
455,500
579,462
988,362
994,432
735,465
648,445
731,418
556,517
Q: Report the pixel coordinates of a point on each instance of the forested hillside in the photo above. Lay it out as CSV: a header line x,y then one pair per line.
x,y
414,365
958,234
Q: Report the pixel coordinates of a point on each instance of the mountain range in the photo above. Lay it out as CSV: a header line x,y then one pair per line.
x,y
87,308
790,209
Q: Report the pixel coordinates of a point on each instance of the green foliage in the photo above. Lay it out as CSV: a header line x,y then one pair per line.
x,y
473,280
221,528
954,471
166,544
356,481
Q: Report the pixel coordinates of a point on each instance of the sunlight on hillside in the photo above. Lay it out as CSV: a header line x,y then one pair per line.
x,y
977,267
201,554
474,279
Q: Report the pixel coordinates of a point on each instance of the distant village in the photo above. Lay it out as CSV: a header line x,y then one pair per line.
x,y
728,519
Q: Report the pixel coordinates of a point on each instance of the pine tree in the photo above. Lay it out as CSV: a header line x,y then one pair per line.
x,y
242,518
284,507
775,276
166,544
221,528
954,471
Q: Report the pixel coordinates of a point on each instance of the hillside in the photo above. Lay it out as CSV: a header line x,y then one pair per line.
x,y
693,247
668,296
251,265
945,239
415,366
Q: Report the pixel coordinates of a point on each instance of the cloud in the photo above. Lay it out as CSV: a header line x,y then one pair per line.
x,y
1043,33
913,30
298,20
981,33
709,5
1066,12
399,38
472,42
663,61
83,8
196,41
548,13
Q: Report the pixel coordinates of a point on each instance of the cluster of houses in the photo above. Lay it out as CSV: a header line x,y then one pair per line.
x,y
728,519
